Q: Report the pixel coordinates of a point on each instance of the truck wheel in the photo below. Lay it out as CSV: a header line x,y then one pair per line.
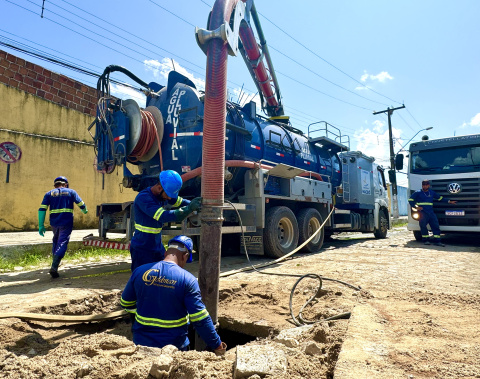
x,y
418,235
382,230
309,221
280,235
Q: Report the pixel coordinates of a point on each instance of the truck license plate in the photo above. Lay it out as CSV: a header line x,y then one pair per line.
x,y
454,213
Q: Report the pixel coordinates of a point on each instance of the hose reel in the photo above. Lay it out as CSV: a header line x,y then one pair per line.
x,y
146,132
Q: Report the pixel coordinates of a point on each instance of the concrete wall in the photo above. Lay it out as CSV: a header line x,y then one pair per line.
x,y
402,196
51,131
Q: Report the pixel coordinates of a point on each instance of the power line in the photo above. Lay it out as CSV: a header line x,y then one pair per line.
x,y
303,113
414,119
155,45
62,63
145,63
324,60
177,16
346,102
323,93
322,77
399,115
126,31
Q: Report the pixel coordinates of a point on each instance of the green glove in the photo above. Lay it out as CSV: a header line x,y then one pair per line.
x,y
182,213
84,210
195,204
41,221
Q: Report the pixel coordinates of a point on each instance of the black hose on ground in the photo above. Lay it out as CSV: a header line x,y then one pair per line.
x,y
301,277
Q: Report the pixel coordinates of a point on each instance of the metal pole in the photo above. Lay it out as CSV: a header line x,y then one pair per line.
x,y
395,212
389,112
8,173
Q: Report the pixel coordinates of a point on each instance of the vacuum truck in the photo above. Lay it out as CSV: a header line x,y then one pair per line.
x,y
280,184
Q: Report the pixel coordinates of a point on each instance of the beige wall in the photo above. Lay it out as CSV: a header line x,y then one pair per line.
x,y
45,156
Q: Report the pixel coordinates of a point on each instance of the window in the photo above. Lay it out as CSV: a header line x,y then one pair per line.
x,y
452,159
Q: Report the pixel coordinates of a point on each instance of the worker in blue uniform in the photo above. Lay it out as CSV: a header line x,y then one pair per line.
x,y
422,200
153,207
60,200
165,298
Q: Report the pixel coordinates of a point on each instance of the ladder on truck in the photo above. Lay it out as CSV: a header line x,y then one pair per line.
x,y
346,182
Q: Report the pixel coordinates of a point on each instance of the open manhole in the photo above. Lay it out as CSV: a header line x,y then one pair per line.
x,y
314,353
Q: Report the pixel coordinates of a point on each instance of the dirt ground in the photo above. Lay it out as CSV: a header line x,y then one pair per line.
x,y
416,316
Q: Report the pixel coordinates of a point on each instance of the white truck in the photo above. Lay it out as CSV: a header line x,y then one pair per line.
x,y
453,167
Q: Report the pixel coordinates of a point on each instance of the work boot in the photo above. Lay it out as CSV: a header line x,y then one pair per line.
x,y
427,243
54,269
439,244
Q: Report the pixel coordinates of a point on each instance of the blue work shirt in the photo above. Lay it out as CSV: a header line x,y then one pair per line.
x,y
165,299
61,200
150,215
425,199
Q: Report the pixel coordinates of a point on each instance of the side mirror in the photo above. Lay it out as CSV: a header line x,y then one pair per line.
x,y
391,176
399,161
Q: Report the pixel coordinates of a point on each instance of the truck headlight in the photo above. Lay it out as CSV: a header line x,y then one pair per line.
x,y
415,214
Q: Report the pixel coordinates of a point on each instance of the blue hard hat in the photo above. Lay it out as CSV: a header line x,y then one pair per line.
x,y
60,179
171,182
185,241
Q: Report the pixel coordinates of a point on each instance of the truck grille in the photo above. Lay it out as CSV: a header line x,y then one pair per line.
x,y
468,200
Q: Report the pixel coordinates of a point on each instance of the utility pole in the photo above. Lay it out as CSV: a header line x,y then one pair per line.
x,y
392,173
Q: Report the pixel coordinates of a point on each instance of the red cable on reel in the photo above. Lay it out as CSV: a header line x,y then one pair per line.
x,y
148,135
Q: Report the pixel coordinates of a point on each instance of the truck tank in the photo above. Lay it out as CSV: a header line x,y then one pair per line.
x,y
249,137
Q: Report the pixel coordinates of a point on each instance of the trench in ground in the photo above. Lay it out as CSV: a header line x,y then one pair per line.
x,y
32,338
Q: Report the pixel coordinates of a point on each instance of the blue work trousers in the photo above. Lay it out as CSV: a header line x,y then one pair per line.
x,y
429,218
142,257
61,237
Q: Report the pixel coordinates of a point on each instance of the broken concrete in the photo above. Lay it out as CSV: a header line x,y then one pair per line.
x,y
260,360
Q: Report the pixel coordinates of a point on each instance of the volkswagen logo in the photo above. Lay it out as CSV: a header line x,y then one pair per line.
x,y
454,188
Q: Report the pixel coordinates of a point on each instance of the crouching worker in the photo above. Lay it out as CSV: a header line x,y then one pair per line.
x,y
165,298
153,207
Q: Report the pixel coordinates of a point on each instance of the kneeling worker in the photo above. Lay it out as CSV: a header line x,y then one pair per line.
x,y
165,297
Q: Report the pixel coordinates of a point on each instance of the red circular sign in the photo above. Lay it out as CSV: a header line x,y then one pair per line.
x,y
9,152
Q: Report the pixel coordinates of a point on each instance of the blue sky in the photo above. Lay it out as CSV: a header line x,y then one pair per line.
x,y
357,57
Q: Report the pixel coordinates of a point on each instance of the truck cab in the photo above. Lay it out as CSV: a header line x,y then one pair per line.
x,y
453,167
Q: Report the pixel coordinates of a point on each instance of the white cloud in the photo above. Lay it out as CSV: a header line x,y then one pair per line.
x,y
161,70
382,77
475,121
378,126
375,142
124,93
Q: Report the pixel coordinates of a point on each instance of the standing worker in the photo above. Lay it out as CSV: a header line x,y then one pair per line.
x,y
164,298
423,201
60,200
152,209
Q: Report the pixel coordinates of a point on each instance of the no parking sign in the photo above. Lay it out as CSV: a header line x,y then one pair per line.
x,y
9,153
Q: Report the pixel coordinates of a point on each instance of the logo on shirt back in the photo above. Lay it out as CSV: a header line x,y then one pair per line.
x,y
150,278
